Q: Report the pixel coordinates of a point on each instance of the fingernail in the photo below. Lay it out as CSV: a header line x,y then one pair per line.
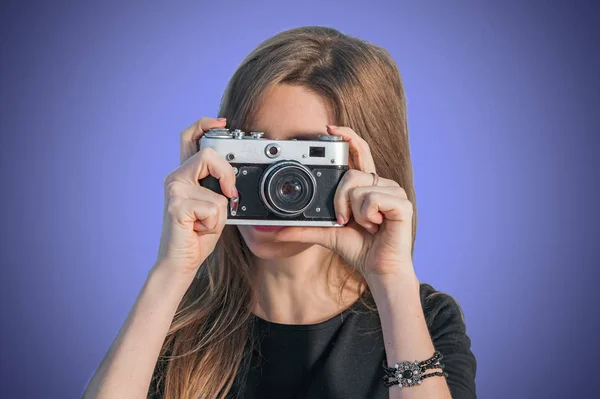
x,y
235,191
332,127
340,219
221,119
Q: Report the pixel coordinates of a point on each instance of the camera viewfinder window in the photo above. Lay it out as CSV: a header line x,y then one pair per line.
x,y
317,152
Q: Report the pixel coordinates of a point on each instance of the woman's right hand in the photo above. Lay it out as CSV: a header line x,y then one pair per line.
x,y
194,216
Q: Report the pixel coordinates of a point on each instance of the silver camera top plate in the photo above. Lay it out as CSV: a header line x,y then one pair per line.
x,y
237,147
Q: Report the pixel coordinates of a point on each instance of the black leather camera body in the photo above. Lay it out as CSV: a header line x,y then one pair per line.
x,y
280,182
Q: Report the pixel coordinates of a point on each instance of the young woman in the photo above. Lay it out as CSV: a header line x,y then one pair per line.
x,y
295,312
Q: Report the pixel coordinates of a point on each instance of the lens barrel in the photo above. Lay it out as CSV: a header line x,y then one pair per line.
x,y
287,188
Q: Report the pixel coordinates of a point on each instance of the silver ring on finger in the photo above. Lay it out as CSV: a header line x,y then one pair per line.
x,y
375,178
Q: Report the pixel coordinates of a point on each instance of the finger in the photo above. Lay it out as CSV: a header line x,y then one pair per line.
x,y
221,218
368,198
357,197
182,189
391,206
360,153
359,194
204,194
202,216
203,163
353,178
190,136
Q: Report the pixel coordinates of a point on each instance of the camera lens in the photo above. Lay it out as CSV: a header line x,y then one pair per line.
x,y
288,188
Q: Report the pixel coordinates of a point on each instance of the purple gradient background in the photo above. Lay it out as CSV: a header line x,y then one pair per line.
x,y
503,110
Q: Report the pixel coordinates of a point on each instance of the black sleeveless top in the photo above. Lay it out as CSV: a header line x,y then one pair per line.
x,y
341,358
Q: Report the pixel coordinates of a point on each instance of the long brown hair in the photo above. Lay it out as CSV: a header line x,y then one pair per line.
x,y
210,341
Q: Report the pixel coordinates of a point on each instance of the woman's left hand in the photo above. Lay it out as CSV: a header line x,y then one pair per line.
x,y
378,240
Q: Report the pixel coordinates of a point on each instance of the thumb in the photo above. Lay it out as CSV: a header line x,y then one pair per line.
x,y
324,236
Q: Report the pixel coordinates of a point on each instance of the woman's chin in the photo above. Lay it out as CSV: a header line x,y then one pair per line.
x,y
261,242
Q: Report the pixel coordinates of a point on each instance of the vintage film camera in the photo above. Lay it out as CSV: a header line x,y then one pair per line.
x,y
280,182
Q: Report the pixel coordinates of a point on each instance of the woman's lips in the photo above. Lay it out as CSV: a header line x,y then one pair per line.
x,y
267,228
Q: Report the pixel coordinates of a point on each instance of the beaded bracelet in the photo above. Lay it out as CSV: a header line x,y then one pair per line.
x,y
408,374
